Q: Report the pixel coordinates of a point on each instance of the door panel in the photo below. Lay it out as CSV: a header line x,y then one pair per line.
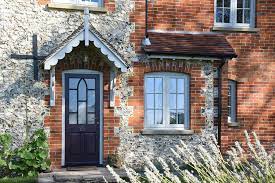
x,y
82,108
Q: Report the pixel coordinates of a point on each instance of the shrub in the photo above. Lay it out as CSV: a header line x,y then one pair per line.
x,y
206,164
28,160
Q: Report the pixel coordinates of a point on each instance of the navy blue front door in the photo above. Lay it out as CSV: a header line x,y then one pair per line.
x,y
82,107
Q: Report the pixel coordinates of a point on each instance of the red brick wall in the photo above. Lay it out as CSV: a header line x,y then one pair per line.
x,y
254,69
197,82
54,120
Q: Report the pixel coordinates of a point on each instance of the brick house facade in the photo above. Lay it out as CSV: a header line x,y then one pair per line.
x,y
245,56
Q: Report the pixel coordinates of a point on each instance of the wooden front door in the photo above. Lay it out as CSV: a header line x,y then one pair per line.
x,y
82,119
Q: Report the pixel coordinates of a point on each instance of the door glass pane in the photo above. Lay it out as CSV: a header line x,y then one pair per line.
x,y
150,116
172,85
158,85
158,101
82,113
180,101
180,85
149,85
73,83
72,118
150,101
172,101
82,90
72,100
91,118
180,117
90,83
173,117
158,116
91,100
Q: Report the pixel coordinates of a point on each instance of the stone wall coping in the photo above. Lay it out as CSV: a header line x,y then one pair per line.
x,y
76,7
167,132
236,29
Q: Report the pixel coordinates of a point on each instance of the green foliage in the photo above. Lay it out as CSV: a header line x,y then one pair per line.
x,y
19,180
28,160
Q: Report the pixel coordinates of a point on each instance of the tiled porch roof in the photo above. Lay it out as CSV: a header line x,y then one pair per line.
x,y
193,45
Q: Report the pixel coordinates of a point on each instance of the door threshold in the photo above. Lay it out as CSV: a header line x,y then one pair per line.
x,y
81,168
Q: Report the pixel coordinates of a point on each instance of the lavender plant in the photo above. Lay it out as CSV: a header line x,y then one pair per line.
x,y
207,164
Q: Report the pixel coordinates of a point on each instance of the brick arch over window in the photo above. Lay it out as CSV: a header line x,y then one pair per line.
x,y
197,82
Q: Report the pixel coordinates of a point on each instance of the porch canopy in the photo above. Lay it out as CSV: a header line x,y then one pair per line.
x,y
191,45
86,33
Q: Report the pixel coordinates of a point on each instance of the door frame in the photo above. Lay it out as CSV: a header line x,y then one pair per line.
x,y
83,71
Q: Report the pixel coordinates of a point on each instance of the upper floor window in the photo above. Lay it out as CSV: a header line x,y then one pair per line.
x,y
232,104
235,13
166,100
80,2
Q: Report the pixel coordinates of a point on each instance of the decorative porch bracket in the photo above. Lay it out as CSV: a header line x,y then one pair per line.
x,y
52,86
113,74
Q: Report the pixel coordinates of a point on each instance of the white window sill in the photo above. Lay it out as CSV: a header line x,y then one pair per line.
x,y
77,7
233,124
235,29
167,132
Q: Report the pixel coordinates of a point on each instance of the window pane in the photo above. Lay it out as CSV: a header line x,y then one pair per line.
x,y
91,101
219,15
158,85
91,118
247,4
90,83
82,90
180,117
150,116
226,15
246,16
240,16
72,100
149,85
172,85
172,101
239,3
219,3
82,113
73,83
180,101
72,118
180,85
150,101
158,116
227,3
173,117
158,101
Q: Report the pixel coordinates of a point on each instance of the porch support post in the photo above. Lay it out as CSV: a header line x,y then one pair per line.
x,y
112,86
52,86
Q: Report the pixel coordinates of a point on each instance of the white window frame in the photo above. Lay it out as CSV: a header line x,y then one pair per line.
x,y
166,123
233,16
79,2
232,85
